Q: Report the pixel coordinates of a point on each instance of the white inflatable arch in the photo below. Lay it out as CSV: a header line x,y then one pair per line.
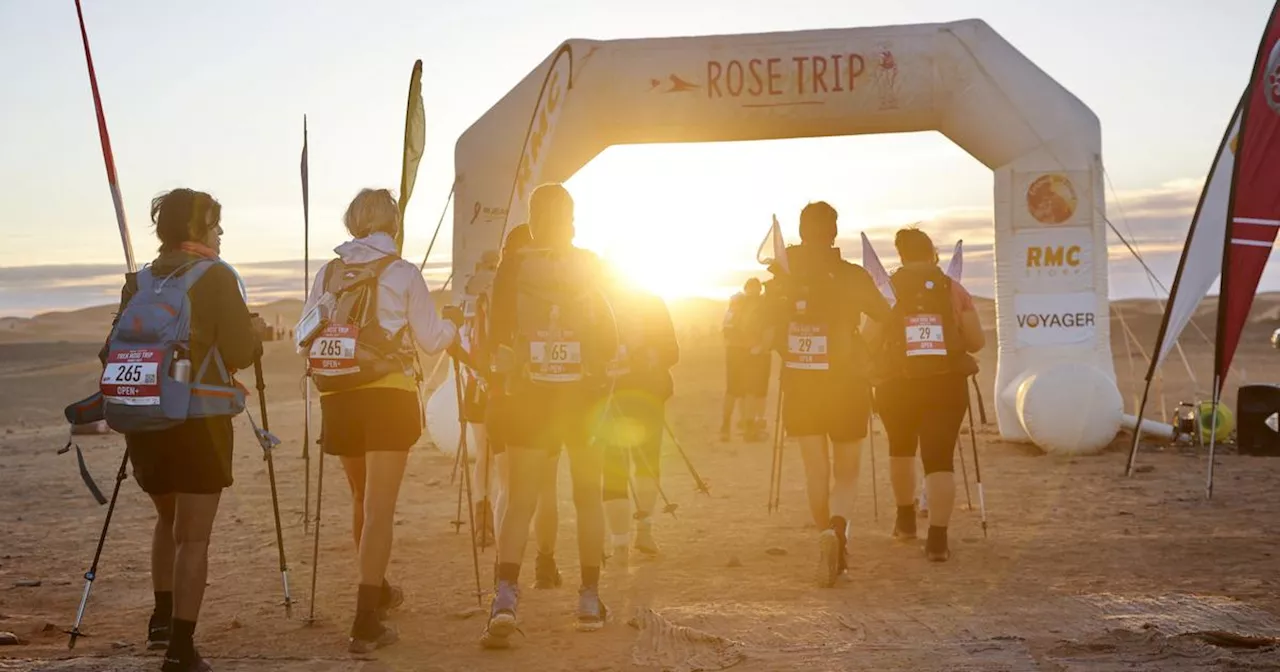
x,y
1055,382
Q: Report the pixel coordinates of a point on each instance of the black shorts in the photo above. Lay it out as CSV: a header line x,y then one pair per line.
x,y
360,421
192,458
822,405
633,434
545,421
746,374
924,414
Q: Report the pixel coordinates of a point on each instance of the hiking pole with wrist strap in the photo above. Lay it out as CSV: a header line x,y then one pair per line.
x,y
699,484
977,468
268,441
92,574
466,483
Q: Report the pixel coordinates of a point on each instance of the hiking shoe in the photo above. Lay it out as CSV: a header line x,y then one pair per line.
x,y
591,610
644,538
621,555
904,527
392,597
828,558
368,643
936,548
178,664
502,616
546,574
158,633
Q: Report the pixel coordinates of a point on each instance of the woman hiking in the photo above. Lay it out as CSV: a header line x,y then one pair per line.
x,y
376,310
922,383
184,467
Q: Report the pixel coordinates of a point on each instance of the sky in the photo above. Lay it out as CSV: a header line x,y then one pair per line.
x,y
212,96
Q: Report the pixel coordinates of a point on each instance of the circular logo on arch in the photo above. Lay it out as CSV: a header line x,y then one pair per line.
x,y
1051,199
1271,79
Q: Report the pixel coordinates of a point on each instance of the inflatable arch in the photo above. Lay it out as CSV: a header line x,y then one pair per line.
x,y
1055,381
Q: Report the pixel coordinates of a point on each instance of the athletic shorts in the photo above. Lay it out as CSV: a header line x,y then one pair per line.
x,y
839,409
632,436
747,375
371,419
192,458
926,415
544,421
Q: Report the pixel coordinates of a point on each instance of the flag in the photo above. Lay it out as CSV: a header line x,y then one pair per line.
x,y
538,138
415,140
773,249
871,262
956,267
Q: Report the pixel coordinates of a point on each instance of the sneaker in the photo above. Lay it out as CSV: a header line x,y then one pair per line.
x,y
392,597
368,644
621,555
502,616
157,633
546,574
591,610
828,558
193,664
644,538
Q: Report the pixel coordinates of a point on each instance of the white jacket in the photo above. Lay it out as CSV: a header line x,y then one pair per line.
x,y
403,296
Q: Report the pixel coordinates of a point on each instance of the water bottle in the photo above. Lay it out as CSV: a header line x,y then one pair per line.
x,y
181,370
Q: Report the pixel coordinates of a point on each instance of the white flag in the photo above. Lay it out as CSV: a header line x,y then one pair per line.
x,y
773,249
956,267
871,262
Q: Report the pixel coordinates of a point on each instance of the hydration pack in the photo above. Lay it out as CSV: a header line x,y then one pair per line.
x,y
922,337
350,348
557,320
150,382
821,325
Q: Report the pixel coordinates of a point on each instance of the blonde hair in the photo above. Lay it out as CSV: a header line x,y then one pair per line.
x,y
372,211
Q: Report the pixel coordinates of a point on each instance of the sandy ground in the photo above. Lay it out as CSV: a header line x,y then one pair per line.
x,y
1081,569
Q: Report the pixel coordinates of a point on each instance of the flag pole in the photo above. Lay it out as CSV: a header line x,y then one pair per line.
x,y
306,295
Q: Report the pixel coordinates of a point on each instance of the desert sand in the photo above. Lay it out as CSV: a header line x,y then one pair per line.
x,y
1080,569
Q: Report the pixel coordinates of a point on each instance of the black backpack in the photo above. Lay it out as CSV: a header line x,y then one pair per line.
x,y
558,304
922,337
821,330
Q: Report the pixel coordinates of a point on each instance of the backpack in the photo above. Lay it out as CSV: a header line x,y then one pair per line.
x,y
922,336
821,325
557,320
148,383
351,349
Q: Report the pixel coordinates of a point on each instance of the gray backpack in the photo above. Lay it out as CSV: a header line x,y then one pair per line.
x,y
147,384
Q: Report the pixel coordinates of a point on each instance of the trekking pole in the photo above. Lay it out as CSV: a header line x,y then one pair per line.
x,y
964,470
982,408
466,480
699,484
92,574
667,505
268,442
871,440
977,467
460,459
315,540
775,473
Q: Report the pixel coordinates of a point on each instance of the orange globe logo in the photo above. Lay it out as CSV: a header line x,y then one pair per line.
x,y
1051,199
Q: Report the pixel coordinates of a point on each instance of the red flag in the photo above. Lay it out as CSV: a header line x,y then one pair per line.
x,y
1255,198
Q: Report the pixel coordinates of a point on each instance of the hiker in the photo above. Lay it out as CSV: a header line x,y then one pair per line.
x,y
923,363
747,363
185,467
364,364
817,307
475,393
634,432
553,335
546,519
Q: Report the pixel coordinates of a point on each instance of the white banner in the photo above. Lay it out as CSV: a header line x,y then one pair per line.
x,y
1055,319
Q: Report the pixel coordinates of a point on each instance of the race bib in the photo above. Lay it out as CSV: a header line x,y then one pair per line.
x,y
807,347
555,361
333,353
924,336
132,377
